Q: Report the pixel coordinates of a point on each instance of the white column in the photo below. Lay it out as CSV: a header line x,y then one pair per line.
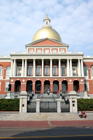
x,y
70,67
58,105
51,67
37,105
22,67
25,67
79,72
42,67
59,67
12,67
67,67
34,67
14,74
82,71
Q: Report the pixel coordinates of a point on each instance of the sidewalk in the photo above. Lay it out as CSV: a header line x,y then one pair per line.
x,y
38,124
16,116
15,119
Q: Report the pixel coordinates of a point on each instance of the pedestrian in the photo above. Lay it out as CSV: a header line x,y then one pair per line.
x,y
80,114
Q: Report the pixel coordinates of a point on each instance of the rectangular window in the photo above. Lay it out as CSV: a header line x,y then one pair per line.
x,y
85,71
6,86
63,70
38,70
8,71
54,70
30,70
19,71
46,70
74,71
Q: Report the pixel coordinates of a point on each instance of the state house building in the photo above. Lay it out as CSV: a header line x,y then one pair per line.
x,y
46,64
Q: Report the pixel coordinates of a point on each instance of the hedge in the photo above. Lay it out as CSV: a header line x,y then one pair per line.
x,y
85,104
9,104
13,104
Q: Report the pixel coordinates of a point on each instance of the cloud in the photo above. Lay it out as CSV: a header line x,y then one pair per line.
x,y
20,19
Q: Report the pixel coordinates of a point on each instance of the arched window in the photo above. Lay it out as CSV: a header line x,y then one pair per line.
x,y
8,71
46,22
0,71
85,71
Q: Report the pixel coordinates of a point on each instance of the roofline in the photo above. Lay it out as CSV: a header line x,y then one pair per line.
x,y
5,57
45,54
39,40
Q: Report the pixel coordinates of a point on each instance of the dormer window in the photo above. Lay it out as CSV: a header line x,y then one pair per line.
x,y
54,51
39,51
46,51
31,51
62,51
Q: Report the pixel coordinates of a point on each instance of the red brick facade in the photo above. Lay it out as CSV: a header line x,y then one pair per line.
x,y
23,80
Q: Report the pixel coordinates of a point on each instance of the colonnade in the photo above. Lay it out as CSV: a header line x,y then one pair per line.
x,y
24,67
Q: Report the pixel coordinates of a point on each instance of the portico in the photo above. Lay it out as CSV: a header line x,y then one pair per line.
x,y
52,68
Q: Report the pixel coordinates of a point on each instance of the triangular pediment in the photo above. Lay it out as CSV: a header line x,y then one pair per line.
x,y
46,42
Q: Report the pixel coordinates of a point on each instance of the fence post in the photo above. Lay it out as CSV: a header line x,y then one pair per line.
x,y
58,105
37,105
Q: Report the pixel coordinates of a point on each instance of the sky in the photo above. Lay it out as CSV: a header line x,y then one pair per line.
x,y
20,20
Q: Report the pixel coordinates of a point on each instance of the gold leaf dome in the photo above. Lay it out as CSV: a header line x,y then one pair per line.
x,y
46,32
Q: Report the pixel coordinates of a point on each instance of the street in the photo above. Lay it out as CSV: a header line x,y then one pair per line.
x,y
58,133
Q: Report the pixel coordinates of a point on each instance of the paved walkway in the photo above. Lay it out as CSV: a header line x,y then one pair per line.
x,y
22,124
15,119
16,116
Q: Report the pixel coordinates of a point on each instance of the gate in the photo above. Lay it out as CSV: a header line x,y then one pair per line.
x,y
31,107
48,106
65,106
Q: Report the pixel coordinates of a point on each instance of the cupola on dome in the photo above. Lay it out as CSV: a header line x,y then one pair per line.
x,y
46,32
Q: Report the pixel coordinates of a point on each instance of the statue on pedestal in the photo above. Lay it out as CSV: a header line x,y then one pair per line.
x,y
9,87
48,91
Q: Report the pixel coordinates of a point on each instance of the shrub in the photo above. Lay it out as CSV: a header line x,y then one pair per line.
x,y
85,104
9,104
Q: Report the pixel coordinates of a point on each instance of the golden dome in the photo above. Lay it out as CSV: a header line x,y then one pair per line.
x,y
46,32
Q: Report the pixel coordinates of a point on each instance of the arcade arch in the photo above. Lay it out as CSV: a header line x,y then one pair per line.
x,y
29,86
55,86
46,85
38,86
76,85
17,86
64,86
